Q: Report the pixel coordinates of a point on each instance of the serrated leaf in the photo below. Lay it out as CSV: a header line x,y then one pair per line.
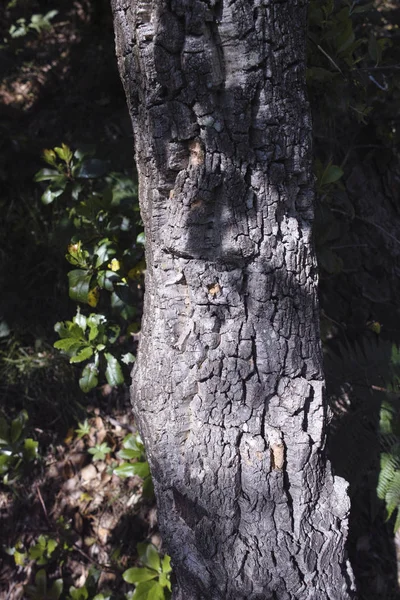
x,y
89,378
82,355
114,373
64,153
137,575
163,580
128,358
166,564
65,344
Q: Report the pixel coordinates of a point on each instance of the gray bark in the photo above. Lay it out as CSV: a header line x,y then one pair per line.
x,y
228,386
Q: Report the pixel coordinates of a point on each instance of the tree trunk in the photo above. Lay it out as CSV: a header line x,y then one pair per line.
x,y
228,386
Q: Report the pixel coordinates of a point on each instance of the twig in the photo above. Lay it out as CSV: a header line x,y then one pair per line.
x,y
330,59
43,505
342,212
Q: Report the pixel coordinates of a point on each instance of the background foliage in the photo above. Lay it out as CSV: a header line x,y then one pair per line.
x,y
71,259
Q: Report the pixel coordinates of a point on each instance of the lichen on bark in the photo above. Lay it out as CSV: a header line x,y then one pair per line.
x,y
228,386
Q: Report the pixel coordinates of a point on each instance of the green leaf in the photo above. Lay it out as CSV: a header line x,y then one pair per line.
x,y
164,580
124,293
64,153
30,449
17,426
83,429
46,175
79,283
89,378
51,546
152,557
128,358
129,454
4,431
137,575
134,442
41,582
100,451
156,592
106,279
5,463
166,564
141,239
148,488
143,590
66,344
78,593
125,470
114,373
331,174
56,590
142,469
104,252
51,193
80,320
112,332
82,355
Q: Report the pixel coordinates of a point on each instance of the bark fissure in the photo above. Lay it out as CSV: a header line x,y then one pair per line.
x,y
228,387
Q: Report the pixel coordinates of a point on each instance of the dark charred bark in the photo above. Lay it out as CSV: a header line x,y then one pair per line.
x,y
228,386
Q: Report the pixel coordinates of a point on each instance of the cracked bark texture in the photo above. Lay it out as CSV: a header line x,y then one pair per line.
x,y
228,386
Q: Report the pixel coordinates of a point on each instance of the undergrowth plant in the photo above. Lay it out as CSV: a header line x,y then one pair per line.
x,y
16,449
106,253
152,580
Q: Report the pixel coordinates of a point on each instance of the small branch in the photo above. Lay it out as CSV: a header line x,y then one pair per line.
x,y
43,505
